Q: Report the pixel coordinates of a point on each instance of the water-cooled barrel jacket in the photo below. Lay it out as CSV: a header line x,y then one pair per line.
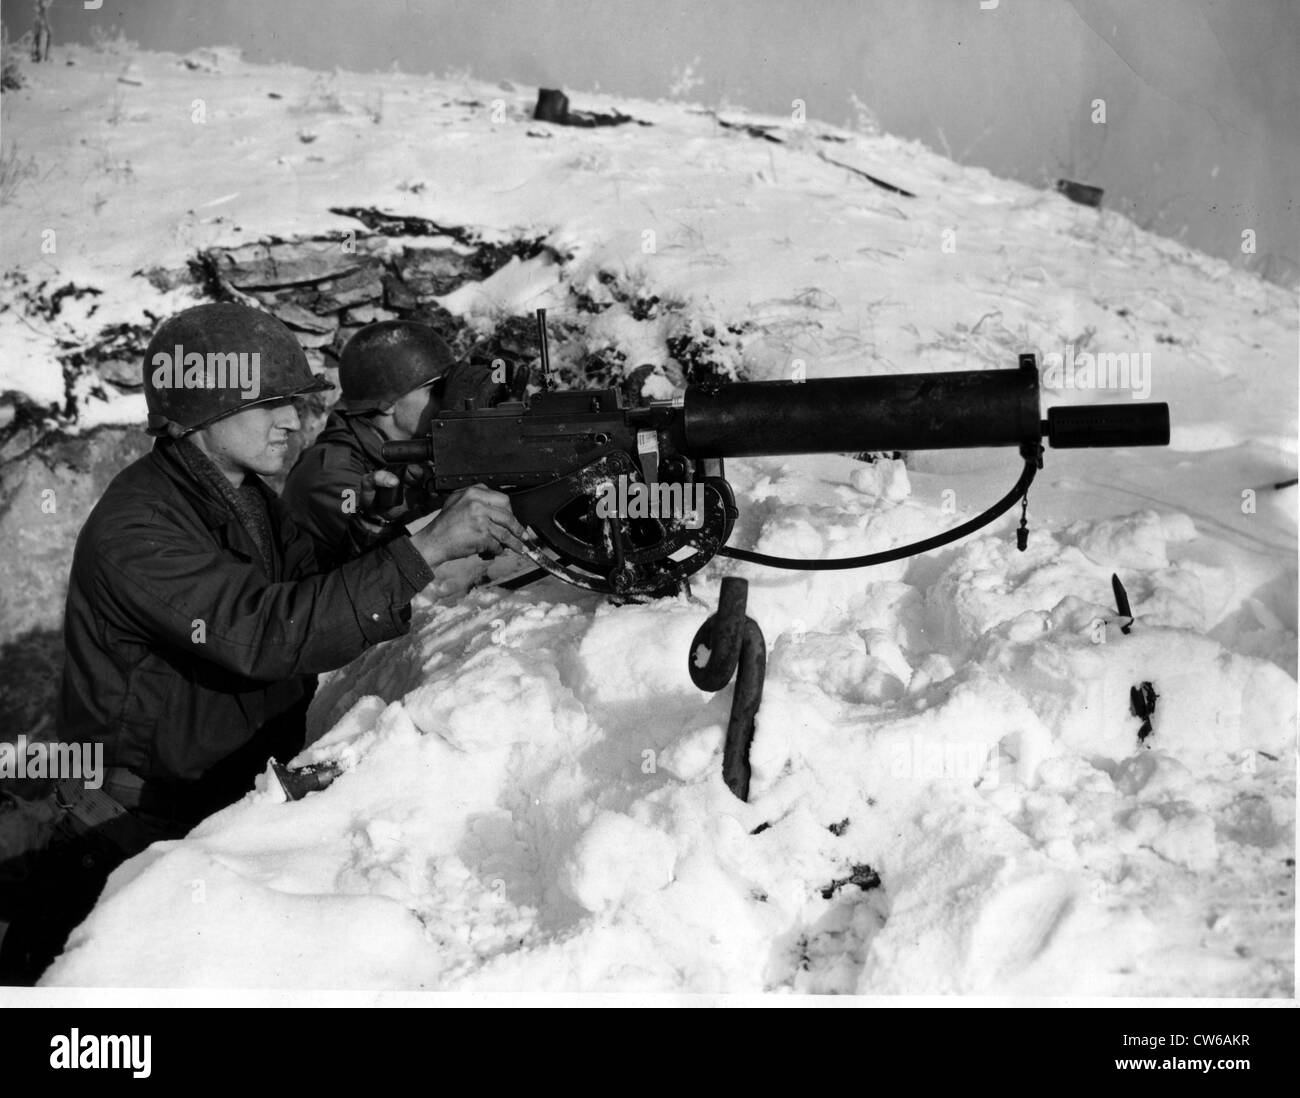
x,y
180,645
347,448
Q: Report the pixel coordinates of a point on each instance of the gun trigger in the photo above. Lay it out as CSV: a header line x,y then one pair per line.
x,y
647,447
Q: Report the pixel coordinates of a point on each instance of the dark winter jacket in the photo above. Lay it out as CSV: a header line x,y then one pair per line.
x,y
182,645
322,490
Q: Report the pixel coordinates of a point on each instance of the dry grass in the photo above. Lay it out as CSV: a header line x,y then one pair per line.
x,y
322,97
112,42
12,56
15,170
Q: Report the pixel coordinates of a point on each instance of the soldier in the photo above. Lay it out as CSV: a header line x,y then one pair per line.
x,y
395,376
196,614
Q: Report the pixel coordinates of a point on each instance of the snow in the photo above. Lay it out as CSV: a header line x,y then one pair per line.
x,y
532,796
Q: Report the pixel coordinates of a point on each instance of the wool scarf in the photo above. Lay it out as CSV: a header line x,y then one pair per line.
x,y
246,502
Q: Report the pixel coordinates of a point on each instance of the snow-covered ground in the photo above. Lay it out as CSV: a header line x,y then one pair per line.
x,y
533,798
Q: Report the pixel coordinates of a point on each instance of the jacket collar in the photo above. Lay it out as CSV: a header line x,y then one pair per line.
x,y
214,512
370,438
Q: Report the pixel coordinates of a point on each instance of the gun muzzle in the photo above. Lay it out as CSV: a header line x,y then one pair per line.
x,y
408,451
1084,425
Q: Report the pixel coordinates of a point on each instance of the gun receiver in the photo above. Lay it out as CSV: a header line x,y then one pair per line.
x,y
569,459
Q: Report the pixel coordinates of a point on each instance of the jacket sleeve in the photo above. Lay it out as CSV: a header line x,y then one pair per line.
x,y
200,599
314,493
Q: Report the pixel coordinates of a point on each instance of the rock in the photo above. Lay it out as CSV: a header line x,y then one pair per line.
x,y
368,314
313,340
398,295
18,442
363,285
452,328
432,272
304,320
122,373
304,295
254,266
165,280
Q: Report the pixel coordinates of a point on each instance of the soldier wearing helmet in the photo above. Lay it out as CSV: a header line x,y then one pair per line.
x,y
197,616
395,376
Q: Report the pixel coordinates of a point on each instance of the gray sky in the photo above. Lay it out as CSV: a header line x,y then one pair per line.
x,y
1202,98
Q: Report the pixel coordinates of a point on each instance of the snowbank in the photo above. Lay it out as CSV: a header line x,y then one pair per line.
x,y
533,798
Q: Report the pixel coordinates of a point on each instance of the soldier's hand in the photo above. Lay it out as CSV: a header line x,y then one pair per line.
x,y
474,380
473,520
381,494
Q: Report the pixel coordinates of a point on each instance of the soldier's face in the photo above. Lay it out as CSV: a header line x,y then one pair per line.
x,y
255,440
413,412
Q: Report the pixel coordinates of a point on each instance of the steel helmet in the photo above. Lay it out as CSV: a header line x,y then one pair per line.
x,y
383,362
212,361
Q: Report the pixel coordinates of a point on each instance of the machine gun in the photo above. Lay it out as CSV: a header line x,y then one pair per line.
x,y
633,500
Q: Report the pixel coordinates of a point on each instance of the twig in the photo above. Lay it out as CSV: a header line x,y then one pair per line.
x,y
867,175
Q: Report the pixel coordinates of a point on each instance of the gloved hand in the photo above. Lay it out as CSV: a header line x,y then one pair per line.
x,y
474,380
390,495
471,380
381,497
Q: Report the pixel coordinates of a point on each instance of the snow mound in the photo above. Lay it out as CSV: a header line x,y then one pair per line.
x,y
949,795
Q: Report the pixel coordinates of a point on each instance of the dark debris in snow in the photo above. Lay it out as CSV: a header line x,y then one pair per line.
x,y
863,876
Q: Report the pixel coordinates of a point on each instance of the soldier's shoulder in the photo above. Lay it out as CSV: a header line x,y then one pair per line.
x,y
337,449
136,493
140,478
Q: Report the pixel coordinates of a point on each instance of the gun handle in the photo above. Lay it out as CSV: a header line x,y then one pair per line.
x,y
387,497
